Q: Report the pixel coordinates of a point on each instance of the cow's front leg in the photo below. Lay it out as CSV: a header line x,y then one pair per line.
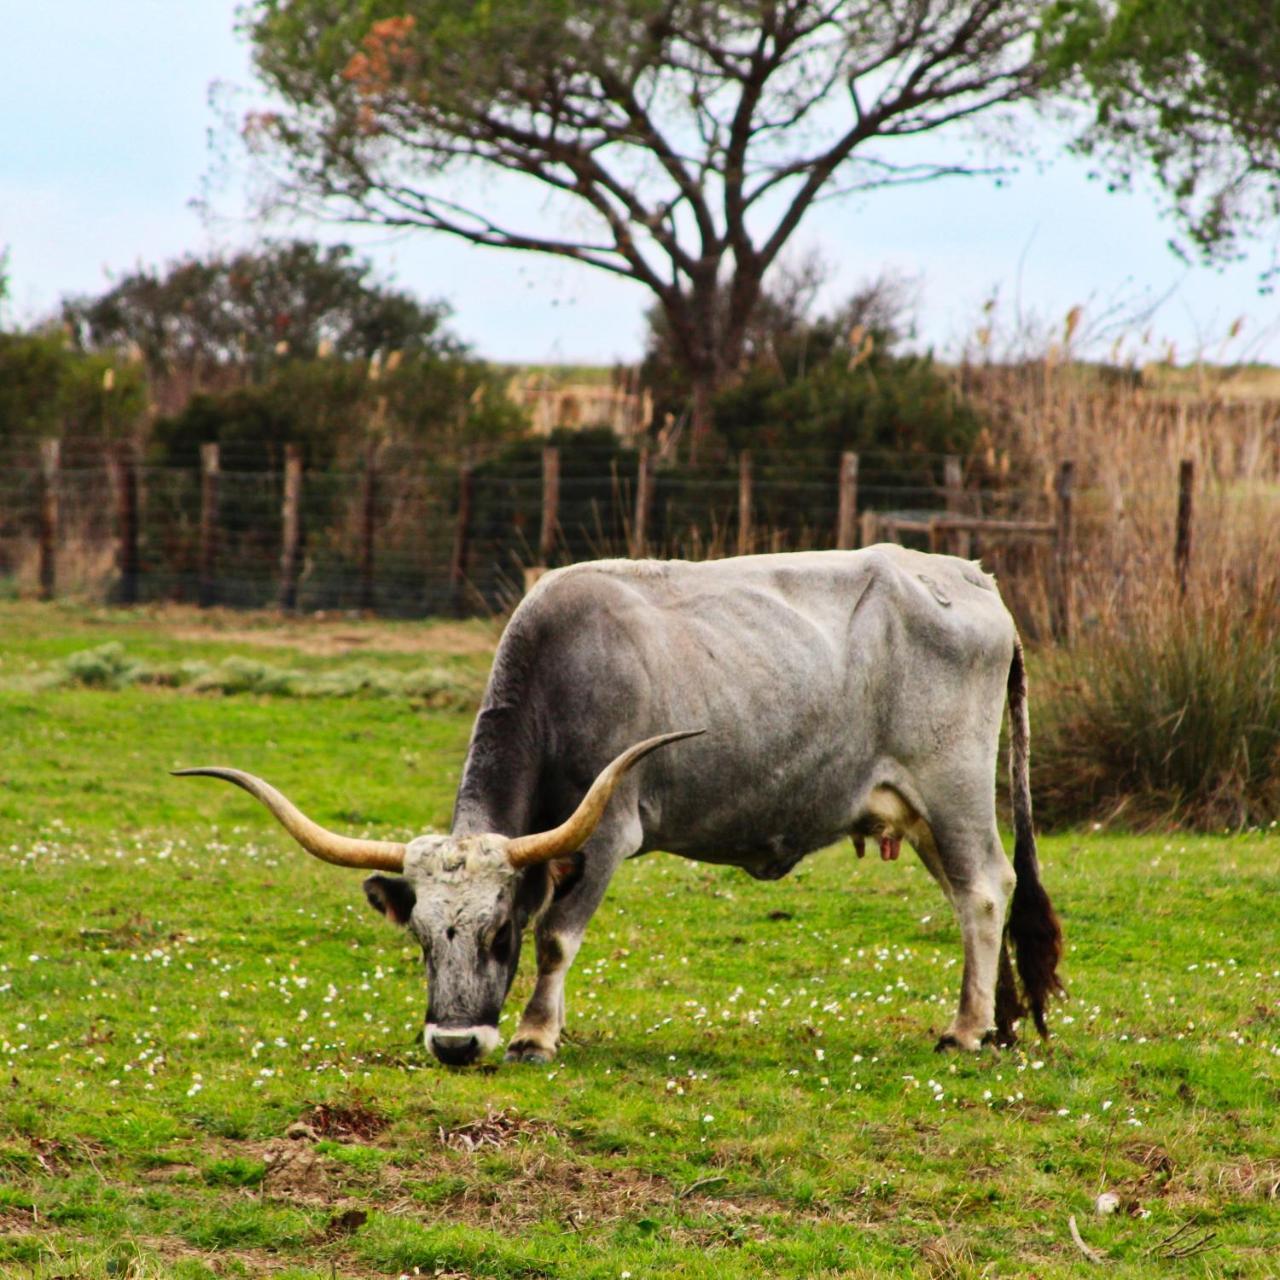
x,y
558,936
538,1035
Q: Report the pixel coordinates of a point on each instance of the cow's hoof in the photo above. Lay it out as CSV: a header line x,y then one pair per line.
x,y
1001,1038
950,1041
530,1053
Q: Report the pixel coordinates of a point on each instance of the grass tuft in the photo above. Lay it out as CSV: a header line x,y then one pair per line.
x,y
110,667
106,667
1171,715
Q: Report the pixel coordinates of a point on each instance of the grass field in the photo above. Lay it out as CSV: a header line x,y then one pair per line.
x,y
211,1046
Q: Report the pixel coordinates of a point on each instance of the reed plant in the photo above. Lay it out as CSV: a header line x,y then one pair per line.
x,y
1166,709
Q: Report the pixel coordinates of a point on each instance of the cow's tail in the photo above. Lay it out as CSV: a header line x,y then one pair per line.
x,y
1033,924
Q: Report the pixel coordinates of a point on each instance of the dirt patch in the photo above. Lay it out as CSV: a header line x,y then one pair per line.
x,y
327,639
294,1171
1157,1164
172,1173
222,1261
344,1223
340,1123
525,1184
16,1221
496,1130
1247,1179
51,1155
540,1187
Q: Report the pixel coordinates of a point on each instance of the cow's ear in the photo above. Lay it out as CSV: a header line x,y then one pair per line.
x,y
393,896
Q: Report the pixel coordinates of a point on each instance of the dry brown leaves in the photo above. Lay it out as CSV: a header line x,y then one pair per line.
x,y
340,1123
495,1130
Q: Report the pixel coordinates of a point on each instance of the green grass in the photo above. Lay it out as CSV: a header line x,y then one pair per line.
x,y
748,1089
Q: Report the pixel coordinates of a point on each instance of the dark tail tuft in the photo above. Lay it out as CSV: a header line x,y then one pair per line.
x,y
1033,924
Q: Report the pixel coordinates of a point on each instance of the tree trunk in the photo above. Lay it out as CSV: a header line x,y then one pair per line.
x,y
702,421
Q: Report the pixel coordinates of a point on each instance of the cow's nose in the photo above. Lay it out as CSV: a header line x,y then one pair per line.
x,y
455,1048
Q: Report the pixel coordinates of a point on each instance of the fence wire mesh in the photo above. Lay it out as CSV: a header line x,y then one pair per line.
x,y
394,532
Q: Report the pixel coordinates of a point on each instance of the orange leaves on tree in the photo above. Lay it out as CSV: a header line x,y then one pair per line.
x,y
384,55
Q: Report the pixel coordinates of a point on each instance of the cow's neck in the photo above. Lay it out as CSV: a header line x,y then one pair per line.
x,y
499,788
499,778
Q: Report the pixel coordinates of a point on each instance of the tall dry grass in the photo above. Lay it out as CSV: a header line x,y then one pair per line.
x,y
1165,706
1168,713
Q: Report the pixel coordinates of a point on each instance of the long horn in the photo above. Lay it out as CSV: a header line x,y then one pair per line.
x,y
342,851
574,832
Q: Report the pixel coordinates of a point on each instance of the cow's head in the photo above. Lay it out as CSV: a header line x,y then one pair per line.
x,y
466,899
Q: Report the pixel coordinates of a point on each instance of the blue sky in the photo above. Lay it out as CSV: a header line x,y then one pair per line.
x,y
106,119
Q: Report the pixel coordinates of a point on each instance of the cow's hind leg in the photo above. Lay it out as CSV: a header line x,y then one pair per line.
x,y
971,866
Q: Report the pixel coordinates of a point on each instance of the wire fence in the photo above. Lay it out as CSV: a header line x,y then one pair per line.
x,y
396,533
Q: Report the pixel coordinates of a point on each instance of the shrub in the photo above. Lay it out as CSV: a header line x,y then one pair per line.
x,y
1169,715
246,675
106,667
109,667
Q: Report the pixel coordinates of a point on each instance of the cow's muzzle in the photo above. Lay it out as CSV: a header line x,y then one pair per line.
x,y
460,1046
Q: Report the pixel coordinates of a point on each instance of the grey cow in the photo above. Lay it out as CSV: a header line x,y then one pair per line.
x,y
842,693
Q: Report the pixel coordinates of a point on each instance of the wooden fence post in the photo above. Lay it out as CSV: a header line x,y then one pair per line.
x,y
744,503
550,505
291,519
869,528
644,500
368,525
210,465
50,458
461,543
959,543
1182,539
126,469
847,511
1063,540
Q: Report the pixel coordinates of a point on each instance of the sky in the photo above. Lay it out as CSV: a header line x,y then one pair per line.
x,y
106,142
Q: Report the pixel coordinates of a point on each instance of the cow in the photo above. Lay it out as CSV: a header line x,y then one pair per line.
x,y
745,712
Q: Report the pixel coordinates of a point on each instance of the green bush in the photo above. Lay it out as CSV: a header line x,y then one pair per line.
x,y
1169,716
106,667
110,667
247,675
883,404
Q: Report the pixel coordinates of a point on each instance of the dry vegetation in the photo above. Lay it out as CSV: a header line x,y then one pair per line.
x,y
1166,707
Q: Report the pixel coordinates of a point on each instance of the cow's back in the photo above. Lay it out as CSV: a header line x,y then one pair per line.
x,y
806,670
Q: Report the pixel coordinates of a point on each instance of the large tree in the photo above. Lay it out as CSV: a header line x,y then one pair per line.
x,y
683,140
1187,89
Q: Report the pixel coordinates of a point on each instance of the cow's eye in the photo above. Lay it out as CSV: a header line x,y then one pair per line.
x,y
502,943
